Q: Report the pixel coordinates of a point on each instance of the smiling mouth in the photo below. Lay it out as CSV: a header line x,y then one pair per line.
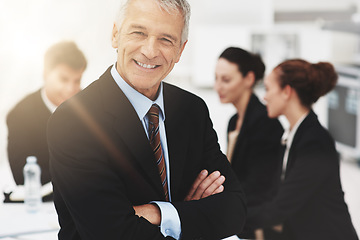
x,y
147,66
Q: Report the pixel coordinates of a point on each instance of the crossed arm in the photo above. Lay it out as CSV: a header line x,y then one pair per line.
x,y
204,185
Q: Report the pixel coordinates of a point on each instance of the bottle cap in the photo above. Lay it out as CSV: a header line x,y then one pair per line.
x,y
31,159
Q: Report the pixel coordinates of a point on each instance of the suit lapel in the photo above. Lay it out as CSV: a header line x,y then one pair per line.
x,y
309,120
176,134
130,129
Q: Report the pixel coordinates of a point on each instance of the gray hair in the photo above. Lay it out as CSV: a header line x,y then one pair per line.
x,y
168,5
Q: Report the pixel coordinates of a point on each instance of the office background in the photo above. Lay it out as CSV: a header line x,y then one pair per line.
x,y
316,30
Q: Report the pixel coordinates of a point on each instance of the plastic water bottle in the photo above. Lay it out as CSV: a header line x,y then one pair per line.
x,y
32,184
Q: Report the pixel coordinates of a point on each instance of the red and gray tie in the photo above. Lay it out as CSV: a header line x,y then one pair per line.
x,y
154,138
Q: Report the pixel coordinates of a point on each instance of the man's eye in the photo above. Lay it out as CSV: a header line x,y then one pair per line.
x,y
138,33
166,40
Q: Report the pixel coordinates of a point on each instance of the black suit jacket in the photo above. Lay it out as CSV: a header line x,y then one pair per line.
x,y
27,123
310,202
102,164
255,159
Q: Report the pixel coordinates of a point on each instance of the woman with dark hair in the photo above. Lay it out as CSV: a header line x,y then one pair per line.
x,y
253,138
310,201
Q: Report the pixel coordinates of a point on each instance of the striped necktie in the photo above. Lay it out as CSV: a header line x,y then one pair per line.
x,y
154,138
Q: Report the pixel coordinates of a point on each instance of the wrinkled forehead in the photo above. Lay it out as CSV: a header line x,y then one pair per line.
x,y
170,8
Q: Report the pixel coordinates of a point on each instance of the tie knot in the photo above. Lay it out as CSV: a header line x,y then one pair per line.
x,y
153,114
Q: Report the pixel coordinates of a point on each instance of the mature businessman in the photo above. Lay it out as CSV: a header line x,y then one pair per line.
x,y
133,157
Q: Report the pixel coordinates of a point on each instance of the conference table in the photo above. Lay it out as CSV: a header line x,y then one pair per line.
x,y
17,223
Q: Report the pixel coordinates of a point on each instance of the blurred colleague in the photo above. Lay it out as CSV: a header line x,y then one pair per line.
x,y
64,65
253,138
130,139
310,201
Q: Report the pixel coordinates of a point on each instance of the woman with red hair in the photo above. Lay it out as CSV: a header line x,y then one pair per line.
x,y
310,202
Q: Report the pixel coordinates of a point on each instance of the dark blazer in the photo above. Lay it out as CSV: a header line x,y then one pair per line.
x,y
27,123
102,164
310,202
255,159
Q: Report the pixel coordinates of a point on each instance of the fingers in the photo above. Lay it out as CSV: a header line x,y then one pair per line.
x,y
211,185
206,185
202,175
219,189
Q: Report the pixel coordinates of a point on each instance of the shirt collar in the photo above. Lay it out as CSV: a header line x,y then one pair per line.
x,y
288,135
52,107
140,102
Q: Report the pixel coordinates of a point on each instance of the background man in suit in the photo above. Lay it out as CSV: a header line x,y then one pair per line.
x,y
64,65
106,180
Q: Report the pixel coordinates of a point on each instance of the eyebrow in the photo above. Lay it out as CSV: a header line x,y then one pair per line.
x,y
137,26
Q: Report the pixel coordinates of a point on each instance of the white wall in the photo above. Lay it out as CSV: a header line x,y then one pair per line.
x,y
313,5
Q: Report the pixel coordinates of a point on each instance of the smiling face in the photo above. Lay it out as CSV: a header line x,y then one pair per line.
x,y
275,97
149,45
230,84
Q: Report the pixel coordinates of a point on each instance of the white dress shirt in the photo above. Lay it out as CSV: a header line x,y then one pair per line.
x,y
47,101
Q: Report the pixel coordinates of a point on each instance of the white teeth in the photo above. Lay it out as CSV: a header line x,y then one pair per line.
x,y
145,65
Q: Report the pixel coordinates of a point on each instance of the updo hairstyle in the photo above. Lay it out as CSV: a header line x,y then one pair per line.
x,y
310,81
246,61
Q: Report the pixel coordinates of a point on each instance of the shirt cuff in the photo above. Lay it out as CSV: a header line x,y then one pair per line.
x,y
170,221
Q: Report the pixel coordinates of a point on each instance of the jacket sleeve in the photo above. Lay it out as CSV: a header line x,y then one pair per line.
x,y
220,215
17,146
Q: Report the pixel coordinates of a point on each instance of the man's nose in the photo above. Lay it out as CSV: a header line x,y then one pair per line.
x,y
150,48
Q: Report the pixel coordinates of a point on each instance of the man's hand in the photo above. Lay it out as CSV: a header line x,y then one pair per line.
x,y
206,185
150,212
203,186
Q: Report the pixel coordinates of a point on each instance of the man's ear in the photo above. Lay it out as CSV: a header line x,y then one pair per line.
x,y
114,36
